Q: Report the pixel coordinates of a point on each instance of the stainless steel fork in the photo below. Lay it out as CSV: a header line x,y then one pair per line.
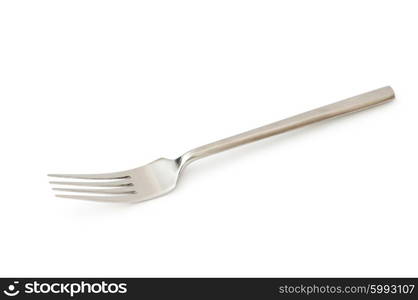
x,y
160,176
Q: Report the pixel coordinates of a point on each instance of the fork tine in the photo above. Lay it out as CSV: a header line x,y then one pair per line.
x,y
118,183
99,198
124,190
117,175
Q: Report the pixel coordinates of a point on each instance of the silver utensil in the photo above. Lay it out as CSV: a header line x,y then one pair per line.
x,y
160,176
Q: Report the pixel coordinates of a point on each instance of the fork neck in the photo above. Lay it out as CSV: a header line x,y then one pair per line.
x,y
210,149
186,159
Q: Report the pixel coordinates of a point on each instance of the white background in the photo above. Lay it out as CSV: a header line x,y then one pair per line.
x,y
101,86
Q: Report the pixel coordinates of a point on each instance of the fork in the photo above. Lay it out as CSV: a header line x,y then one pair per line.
x,y
160,176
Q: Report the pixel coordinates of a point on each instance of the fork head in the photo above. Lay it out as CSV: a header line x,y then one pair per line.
x,y
149,181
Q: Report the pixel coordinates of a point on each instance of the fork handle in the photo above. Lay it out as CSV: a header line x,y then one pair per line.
x,y
343,107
